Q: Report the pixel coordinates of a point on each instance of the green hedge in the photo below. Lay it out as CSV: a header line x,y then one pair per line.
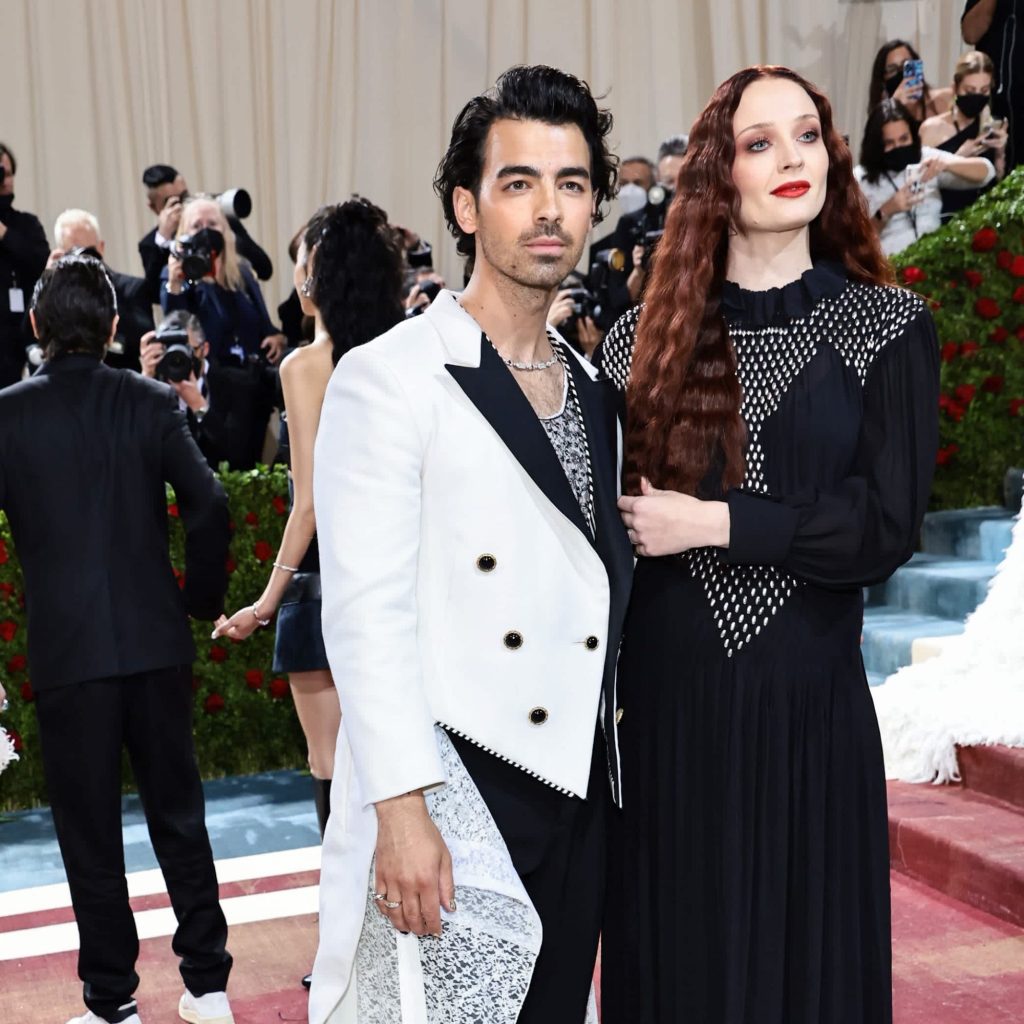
x,y
972,270
244,718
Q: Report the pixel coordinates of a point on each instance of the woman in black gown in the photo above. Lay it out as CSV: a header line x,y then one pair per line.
x,y
781,438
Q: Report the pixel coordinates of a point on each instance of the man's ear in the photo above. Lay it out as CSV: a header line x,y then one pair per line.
x,y
113,331
464,205
101,246
32,320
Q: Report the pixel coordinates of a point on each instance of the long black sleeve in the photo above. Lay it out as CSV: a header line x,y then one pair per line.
x,y
203,507
26,245
863,530
250,250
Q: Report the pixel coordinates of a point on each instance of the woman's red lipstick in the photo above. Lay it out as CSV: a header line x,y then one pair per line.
x,y
792,190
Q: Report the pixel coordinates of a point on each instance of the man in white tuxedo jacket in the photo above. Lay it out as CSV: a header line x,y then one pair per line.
x,y
475,577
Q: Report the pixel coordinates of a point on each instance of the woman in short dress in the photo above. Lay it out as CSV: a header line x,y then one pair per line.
x,y
348,274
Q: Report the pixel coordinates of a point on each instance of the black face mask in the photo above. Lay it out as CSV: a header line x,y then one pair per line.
x,y
972,104
6,202
897,159
892,83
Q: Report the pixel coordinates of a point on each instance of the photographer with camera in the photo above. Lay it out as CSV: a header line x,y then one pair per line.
x,y
23,252
204,276
177,353
166,192
77,232
573,312
624,264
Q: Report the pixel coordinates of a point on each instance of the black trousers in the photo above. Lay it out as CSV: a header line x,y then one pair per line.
x,y
557,843
82,729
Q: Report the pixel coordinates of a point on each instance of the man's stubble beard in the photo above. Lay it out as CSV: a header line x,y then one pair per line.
x,y
542,273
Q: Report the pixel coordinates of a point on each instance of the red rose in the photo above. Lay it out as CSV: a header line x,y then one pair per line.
x,y
973,278
969,348
987,308
280,505
1017,266
1016,404
1018,293
218,653
254,679
8,630
231,565
213,704
17,663
949,351
26,691
15,739
955,411
945,455
935,304
951,283
4,556
993,385
262,550
1004,259
914,275
278,688
944,401
984,240
965,392
7,589
172,510
999,335
252,519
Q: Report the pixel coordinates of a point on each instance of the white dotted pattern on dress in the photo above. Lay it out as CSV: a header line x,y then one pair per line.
x,y
857,324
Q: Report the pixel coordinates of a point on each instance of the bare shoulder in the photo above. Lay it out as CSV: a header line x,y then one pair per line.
x,y
309,366
936,129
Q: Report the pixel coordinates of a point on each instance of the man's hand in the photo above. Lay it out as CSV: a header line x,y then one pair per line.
x,y
150,353
169,218
274,345
589,335
413,866
562,308
55,254
668,522
189,393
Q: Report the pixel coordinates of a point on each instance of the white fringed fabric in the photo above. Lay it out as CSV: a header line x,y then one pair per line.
x,y
7,752
972,694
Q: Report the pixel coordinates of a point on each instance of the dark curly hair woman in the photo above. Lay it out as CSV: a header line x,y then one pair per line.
x,y
348,274
782,428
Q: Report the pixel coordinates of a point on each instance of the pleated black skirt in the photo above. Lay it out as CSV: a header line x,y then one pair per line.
x,y
749,869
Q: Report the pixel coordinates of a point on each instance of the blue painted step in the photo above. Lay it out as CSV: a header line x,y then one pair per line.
x,y
889,635
947,588
961,532
995,536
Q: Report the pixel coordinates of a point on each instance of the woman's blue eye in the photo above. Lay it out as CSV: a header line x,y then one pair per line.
x,y
758,146
811,135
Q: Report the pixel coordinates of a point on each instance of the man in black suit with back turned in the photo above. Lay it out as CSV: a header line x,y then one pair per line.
x,y
84,456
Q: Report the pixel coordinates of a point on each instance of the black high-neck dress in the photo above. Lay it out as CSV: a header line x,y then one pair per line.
x,y
749,869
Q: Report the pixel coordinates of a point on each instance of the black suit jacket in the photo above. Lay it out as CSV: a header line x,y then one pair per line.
x,y
136,318
84,455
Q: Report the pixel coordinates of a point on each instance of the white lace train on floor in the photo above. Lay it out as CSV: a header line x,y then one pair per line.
x,y
971,694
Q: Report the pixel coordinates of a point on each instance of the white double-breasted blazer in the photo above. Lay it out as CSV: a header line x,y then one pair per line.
x,y
461,586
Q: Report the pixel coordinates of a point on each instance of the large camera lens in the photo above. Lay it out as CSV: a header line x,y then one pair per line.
x,y
176,364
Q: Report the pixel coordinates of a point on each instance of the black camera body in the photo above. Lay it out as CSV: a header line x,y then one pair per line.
x,y
650,225
197,253
178,361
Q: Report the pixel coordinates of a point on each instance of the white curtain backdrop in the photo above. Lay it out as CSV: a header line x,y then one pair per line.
x,y
307,101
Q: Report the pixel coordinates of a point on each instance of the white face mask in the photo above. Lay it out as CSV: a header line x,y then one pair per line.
x,y
631,198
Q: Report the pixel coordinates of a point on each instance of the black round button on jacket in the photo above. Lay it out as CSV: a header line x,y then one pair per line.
x,y
592,643
513,640
538,716
487,563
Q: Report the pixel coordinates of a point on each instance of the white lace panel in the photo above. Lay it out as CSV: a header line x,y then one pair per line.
x,y
480,968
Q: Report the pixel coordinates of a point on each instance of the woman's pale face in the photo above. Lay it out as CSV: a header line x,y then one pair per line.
x,y
202,213
781,165
895,59
896,135
301,271
980,83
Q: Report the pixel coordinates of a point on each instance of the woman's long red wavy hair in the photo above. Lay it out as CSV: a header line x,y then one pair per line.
x,y
684,395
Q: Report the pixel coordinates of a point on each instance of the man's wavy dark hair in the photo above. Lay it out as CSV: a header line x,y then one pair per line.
x,y
74,305
535,93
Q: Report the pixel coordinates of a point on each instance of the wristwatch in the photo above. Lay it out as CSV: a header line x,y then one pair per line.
x,y
200,413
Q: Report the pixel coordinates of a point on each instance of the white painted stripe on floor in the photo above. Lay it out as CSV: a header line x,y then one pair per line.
x,y
151,882
152,924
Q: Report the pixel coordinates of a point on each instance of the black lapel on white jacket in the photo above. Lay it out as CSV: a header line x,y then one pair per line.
x,y
491,388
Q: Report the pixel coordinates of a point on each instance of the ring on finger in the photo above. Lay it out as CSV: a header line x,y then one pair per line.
x,y
378,896
392,904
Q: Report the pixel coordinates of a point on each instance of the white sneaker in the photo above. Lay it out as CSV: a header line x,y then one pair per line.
x,y
91,1018
213,1008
